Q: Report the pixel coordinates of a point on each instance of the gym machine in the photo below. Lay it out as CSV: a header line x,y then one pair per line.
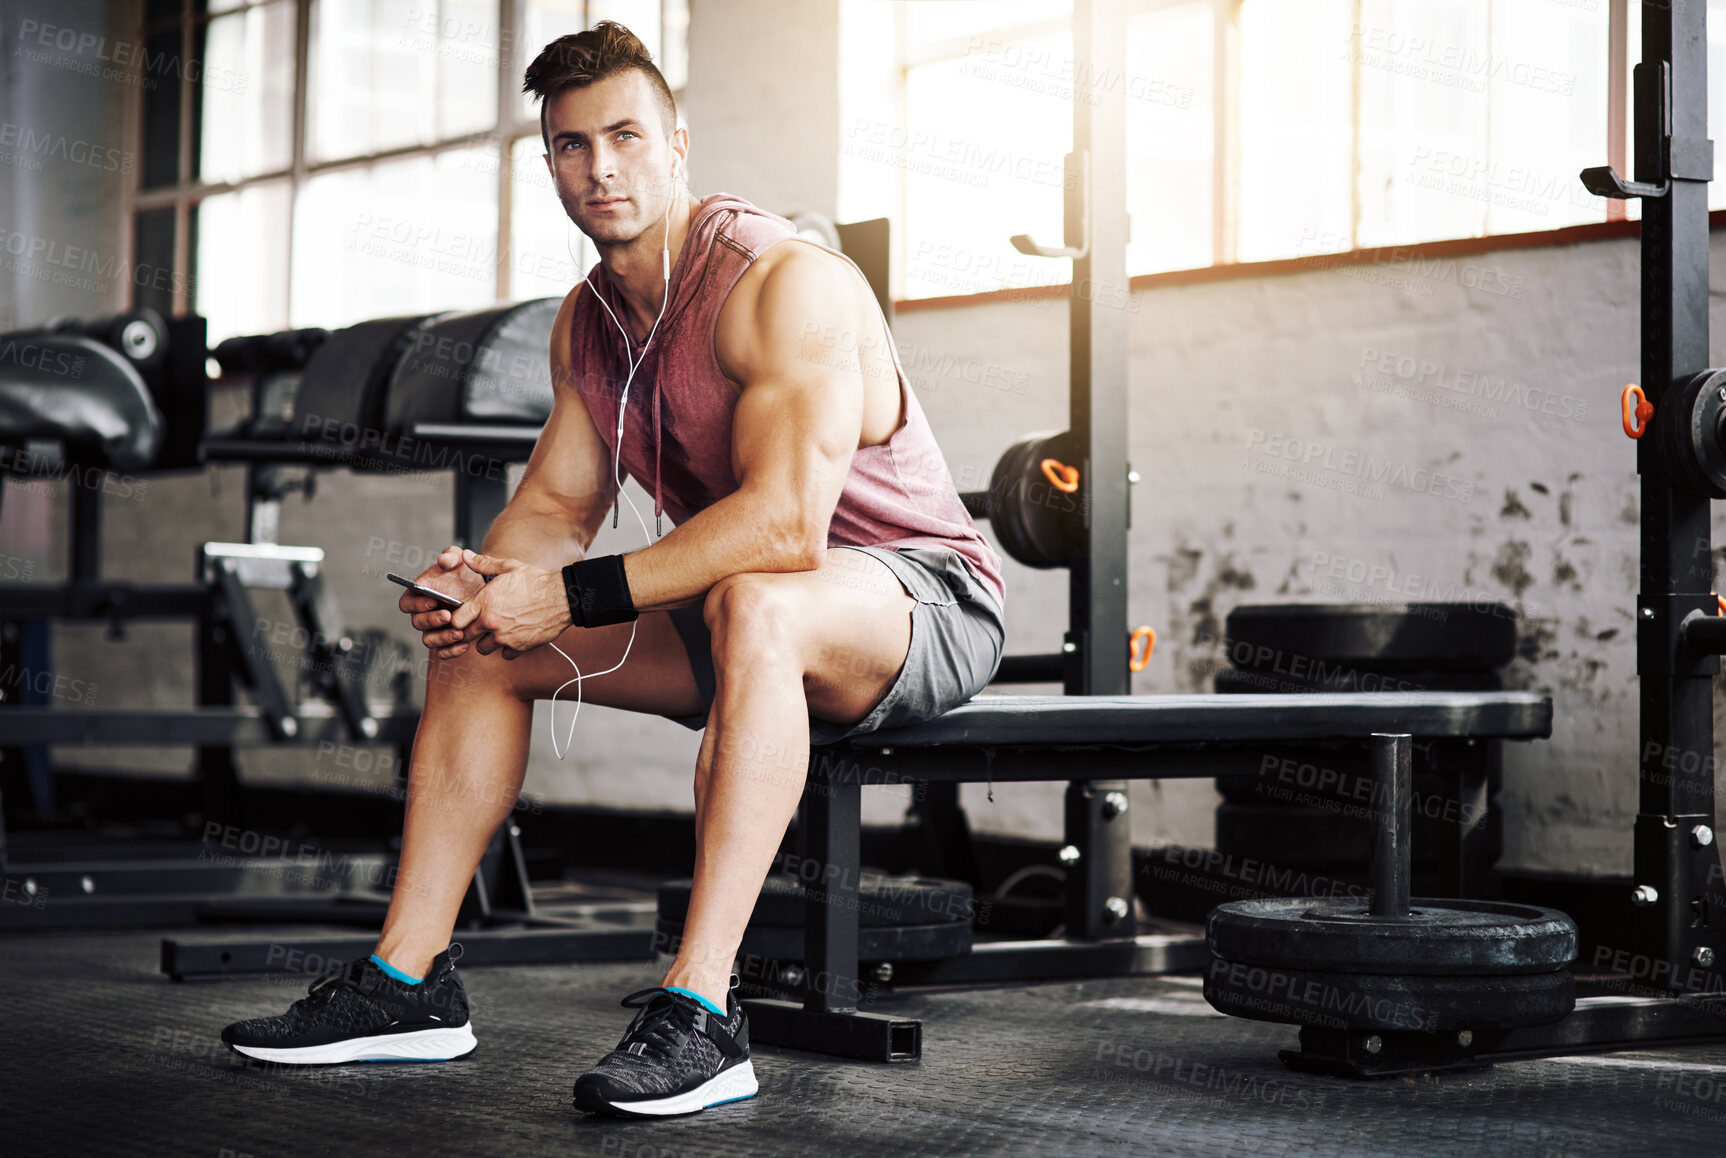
x,y
1401,985
107,400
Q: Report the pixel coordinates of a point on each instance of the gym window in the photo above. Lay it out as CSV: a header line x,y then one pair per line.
x,y
320,162
1258,130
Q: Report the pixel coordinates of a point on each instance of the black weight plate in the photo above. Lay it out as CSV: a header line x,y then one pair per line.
x,y
1292,837
1373,1001
1006,506
881,900
1688,428
1053,519
1351,678
934,942
1439,937
1035,522
1372,636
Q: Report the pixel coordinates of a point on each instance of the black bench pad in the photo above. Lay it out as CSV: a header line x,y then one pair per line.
x,y
1114,721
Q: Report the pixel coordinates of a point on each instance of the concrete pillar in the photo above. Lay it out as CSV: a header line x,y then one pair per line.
x,y
762,103
61,219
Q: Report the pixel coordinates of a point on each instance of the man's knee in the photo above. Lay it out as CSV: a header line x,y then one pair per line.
x,y
746,611
470,672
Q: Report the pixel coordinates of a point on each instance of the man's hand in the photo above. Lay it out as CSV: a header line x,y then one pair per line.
x,y
451,575
520,608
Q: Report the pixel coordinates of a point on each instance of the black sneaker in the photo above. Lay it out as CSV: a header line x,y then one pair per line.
x,y
675,1058
357,1012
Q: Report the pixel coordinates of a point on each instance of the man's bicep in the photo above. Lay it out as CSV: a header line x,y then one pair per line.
x,y
800,416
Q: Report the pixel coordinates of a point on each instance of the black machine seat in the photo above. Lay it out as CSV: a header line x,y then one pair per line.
x,y
1086,722
81,395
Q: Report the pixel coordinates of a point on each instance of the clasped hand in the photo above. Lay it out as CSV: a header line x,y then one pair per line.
x,y
510,606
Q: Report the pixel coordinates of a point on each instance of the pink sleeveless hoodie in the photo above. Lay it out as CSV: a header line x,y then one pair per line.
x,y
678,423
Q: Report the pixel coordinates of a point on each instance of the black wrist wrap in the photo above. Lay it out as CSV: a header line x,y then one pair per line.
x,y
598,592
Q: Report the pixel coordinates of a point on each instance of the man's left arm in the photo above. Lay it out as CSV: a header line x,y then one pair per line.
x,y
792,344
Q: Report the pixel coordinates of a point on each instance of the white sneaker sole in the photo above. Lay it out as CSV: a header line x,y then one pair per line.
x,y
419,1045
733,1085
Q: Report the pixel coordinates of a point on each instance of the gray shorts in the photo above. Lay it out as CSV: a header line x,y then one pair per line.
x,y
957,638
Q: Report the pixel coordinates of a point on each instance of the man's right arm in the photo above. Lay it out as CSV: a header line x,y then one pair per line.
x,y
567,488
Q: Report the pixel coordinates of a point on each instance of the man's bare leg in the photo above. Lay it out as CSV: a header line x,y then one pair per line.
x,y
470,755
784,645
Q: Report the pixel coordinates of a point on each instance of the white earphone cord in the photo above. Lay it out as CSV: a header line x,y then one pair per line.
x,y
634,364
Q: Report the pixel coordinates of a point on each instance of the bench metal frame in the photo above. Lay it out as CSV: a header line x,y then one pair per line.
x,y
1020,738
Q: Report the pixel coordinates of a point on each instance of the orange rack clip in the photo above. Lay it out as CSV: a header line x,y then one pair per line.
x,y
1635,417
1060,475
1137,662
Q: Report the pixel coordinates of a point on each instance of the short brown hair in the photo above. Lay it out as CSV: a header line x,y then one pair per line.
x,y
581,58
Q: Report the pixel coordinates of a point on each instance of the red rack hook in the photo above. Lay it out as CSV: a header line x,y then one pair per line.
x,y
1137,662
1061,476
1635,417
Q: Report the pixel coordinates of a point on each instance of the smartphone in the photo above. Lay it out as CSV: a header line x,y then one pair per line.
x,y
449,601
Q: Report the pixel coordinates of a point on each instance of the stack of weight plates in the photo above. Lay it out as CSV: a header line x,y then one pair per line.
x,y
898,918
1446,966
1304,807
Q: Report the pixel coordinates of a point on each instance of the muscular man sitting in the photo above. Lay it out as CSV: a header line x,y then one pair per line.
x,y
822,580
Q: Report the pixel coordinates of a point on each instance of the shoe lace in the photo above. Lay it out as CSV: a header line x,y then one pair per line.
x,y
349,975
664,1024
336,977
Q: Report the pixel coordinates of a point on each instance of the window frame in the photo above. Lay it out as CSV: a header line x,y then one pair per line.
x,y
186,194
1226,124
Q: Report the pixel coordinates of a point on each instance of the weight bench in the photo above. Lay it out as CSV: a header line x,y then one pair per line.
x,y
1080,739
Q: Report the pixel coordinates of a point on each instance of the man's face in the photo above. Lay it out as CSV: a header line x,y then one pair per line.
x,y
610,158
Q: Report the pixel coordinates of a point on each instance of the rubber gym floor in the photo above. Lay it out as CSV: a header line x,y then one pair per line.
x,y
102,1054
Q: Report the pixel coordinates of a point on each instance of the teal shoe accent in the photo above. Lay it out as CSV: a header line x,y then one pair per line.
x,y
710,1007
392,971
